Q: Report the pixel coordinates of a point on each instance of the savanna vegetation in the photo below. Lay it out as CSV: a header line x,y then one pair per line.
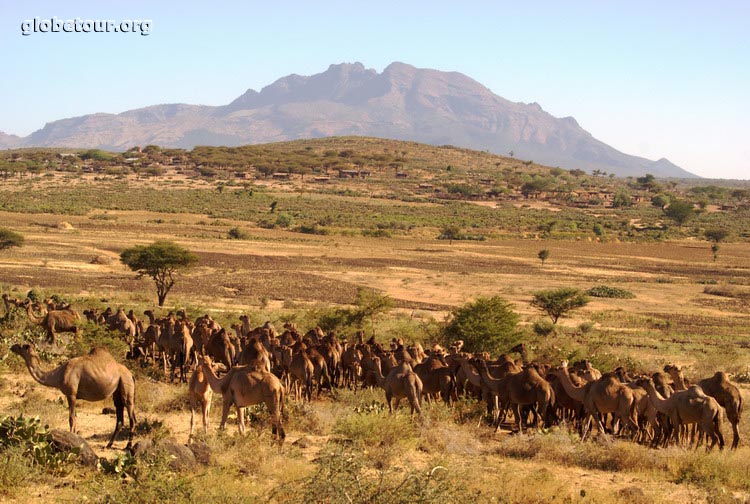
x,y
627,285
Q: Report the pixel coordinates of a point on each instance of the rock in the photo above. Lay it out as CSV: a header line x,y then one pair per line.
x,y
64,225
201,451
108,411
180,456
303,442
66,442
101,259
633,494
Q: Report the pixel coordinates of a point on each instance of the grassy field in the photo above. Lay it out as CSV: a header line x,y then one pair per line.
x,y
688,309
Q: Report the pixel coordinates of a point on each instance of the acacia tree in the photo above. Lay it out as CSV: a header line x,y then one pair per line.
x,y
160,261
715,236
679,211
10,239
559,302
543,255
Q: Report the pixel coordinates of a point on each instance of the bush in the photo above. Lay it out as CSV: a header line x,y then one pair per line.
x,y
485,325
34,441
10,239
605,291
238,234
543,327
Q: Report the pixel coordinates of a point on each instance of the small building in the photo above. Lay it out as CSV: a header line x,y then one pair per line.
x,y
348,173
321,180
281,176
401,174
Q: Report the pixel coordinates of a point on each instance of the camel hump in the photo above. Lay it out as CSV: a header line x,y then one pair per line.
x,y
721,376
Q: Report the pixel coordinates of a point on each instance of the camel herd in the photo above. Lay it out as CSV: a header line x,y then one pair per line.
x,y
250,365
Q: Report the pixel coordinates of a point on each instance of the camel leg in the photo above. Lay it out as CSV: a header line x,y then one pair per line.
x,y
736,434
206,411
225,412
119,411
192,418
398,402
241,419
72,414
389,398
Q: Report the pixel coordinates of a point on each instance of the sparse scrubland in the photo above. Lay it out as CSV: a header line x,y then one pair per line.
x,y
363,254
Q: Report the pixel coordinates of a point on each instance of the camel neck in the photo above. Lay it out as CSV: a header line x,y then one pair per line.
x,y
46,378
657,401
217,384
574,392
32,317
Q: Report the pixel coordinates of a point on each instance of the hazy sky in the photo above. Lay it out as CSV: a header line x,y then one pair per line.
x,y
650,78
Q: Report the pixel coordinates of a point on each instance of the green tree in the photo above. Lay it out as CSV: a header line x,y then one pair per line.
x,y
10,239
660,200
160,261
621,199
715,236
543,255
486,325
679,211
559,302
370,304
450,233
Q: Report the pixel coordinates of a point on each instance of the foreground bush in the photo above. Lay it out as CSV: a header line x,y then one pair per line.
x,y
485,325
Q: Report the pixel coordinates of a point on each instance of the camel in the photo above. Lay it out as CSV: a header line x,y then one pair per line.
x,y
8,301
606,395
720,388
690,406
199,394
92,377
55,321
521,349
220,348
401,382
242,387
525,388
256,355
301,370
437,378
728,396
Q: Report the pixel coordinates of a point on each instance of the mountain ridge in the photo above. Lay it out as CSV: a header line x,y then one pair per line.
x,y
402,102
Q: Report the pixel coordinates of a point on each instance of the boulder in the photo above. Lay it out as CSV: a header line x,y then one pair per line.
x,y
67,442
180,457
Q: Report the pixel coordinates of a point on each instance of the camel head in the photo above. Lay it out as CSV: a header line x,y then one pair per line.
x,y
26,351
669,368
564,364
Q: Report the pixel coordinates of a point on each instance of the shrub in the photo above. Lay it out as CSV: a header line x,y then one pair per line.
x,y
34,440
10,239
605,291
543,327
238,234
559,302
487,324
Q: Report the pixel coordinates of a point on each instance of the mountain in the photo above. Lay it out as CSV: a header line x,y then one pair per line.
x,y
402,102
9,141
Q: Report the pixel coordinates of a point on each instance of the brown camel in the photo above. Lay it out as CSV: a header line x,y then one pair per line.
x,y
685,407
401,382
55,321
603,396
525,388
220,348
199,393
437,378
242,387
720,388
92,377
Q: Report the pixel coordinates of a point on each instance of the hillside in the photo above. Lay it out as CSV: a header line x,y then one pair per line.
x,y
402,102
